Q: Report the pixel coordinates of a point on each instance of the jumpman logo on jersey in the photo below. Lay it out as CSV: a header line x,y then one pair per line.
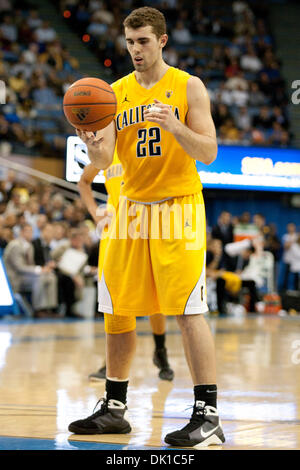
x,y
125,99
187,224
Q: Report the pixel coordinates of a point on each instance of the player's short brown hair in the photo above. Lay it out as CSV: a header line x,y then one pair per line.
x,y
147,16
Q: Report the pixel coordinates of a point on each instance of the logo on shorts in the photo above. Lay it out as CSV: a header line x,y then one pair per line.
x,y
81,113
169,93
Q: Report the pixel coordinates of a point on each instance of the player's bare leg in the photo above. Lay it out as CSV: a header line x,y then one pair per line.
x,y
199,348
158,324
120,350
160,356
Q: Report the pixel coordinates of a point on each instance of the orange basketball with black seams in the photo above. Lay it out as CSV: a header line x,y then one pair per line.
x,y
90,104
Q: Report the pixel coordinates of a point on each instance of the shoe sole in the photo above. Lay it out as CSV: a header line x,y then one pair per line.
x,y
210,441
158,365
169,378
97,379
77,430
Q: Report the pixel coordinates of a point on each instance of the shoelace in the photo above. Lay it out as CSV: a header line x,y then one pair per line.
x,y
103,408
197,416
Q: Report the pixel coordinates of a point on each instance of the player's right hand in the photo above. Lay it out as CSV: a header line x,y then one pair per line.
x,y
89,138
93,142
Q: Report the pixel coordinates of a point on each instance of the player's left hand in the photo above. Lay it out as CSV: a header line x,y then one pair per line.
x,y
165,117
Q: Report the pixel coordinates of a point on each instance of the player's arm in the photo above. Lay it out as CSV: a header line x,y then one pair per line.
x,y
198,135
85,189
101,146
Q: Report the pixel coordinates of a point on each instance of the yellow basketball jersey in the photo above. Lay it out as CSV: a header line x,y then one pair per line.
x,y
113,180
155,166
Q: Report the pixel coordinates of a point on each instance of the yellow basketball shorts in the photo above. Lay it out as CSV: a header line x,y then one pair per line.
x,y
152,259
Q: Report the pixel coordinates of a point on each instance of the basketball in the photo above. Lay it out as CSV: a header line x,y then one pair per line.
x,y
90,104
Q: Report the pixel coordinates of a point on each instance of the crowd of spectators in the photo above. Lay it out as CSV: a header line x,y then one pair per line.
x,y
37,70
49,246
229,45
246,253
39,226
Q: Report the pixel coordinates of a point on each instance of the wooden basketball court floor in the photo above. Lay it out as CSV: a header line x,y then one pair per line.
x,y
44,368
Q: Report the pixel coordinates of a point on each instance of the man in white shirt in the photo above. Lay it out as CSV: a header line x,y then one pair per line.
x,y
26,276
45,33
290,252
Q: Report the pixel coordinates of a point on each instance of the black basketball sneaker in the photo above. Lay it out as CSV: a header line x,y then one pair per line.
x,y
204,429
100,375
110,419
160,360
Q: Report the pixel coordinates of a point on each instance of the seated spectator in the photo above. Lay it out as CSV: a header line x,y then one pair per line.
x,y
243,119
59,234
264,119
14,205
43,95
30,55
223,230
277,135
69,215
6,236
32,212
26,276
44,33
237,81
279,117
8,29
228,132
234,48
232,69
71,281
42,245
102,13
224,96
228,284
181,34
240,96
256,97
33,19
265,85
295,263
170,55
220,114
39,225
288,239
17,83
20,222
57,206
97,28
217,60
25,33
250,62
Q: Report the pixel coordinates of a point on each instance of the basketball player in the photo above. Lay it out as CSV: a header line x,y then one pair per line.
x,y
113,180
152,273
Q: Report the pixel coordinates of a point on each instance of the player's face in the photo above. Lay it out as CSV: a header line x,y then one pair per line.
x,y
144,47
